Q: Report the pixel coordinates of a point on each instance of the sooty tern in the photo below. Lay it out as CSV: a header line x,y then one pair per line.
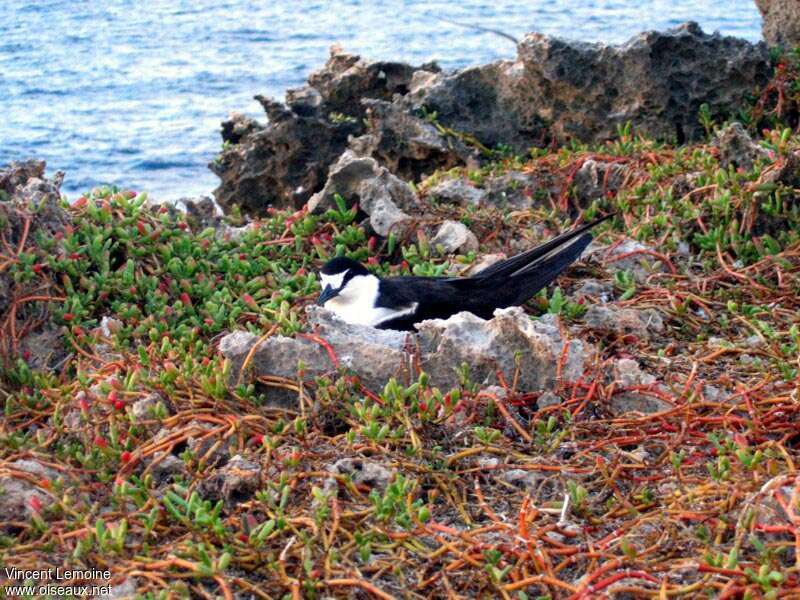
x,y
359,297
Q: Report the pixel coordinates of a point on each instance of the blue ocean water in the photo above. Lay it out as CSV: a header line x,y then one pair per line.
x,y
132,92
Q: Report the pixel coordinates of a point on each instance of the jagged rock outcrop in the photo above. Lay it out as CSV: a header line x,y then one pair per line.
x,y
572,90
286,161
410,147
781,22
31,211
281,164
510,343
415,120
379,193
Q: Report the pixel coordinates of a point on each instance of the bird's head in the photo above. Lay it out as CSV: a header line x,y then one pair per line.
x,y
338,276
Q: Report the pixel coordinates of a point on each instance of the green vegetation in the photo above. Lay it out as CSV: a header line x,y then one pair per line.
x,y
697,500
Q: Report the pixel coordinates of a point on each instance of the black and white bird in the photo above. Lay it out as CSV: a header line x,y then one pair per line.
x,y
359,297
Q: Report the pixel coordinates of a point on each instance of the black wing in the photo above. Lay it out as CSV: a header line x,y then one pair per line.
x,y
508,283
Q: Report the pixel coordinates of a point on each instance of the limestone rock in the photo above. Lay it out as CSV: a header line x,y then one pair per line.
x,y
234,483
453,237
643,324
781,22
513,188
285,161
457,191
555,87
379,193
363,472
595,179
628,373
25,193
594,288
408,145
507,342
737,148
280,164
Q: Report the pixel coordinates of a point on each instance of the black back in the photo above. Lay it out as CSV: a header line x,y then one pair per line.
x,y
510,282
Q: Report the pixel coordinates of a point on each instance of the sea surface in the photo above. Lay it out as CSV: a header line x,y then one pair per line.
x,y
132,92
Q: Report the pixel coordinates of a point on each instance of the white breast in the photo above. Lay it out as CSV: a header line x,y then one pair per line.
x,y
355,304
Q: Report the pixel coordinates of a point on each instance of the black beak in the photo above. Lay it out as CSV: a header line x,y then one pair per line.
x,y
326,295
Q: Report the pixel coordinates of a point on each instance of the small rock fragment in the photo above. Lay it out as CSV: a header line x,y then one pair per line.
x,y
628,373
453,237
484,262
643,324
594,288
737,148
378,193
595,179
167,468
143,408
458,191
363,472
234,483
632,256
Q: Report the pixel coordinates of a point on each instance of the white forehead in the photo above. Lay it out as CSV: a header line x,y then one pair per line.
x,y
335,281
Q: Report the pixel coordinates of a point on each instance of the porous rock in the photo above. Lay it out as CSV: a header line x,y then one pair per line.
x,y
285,161
453,236
510,342
457,191
281,164
643,324
379,193
363,472
565,89
628,373
373,354
408,145
519,347
30,206
629,255
781,22
737,148
595,179
234,483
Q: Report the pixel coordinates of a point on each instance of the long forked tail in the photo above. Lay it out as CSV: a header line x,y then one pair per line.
x,y
527,273
531,258
539,274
